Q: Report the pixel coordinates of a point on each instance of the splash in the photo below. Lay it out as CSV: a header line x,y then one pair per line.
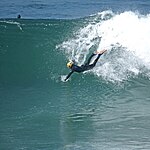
x,y
125,36
130,30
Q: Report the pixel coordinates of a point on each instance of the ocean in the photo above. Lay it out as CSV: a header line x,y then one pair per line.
x,y
106,108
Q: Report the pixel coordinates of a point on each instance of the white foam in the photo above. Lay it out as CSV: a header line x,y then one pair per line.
x,y
129,30
13,23
125,35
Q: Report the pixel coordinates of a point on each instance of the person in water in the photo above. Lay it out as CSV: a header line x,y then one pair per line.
x,y
87,66
19,16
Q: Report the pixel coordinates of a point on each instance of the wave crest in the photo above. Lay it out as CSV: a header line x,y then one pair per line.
x,y
125,35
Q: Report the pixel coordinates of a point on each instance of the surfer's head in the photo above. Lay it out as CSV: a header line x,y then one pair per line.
x,y
19,16
69,64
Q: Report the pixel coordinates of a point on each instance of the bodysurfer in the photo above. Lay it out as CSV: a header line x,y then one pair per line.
x,y
87,66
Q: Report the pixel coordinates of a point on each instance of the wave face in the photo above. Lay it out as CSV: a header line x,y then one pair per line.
x,y
30,49
104,108
27,49
125,36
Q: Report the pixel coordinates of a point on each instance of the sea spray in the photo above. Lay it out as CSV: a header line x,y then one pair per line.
x,y
126,38
130,30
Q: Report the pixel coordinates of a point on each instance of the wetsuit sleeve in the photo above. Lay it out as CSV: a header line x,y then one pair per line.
x,y
69,75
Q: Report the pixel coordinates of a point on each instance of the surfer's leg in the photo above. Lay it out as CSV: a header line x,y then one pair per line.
x,y
88,62
91,66
87,66
95,61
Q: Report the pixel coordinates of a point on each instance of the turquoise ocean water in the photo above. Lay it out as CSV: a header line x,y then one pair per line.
x,y
107,108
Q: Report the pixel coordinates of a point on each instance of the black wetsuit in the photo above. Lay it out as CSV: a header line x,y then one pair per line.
x,y
85,67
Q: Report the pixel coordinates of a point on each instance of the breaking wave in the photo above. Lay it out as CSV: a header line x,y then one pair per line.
x,y
126,38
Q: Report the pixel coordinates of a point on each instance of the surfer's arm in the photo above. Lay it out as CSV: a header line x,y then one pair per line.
x,y
69,75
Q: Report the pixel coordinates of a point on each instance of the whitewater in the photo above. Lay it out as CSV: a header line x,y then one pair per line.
x,y
126,38
106,108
